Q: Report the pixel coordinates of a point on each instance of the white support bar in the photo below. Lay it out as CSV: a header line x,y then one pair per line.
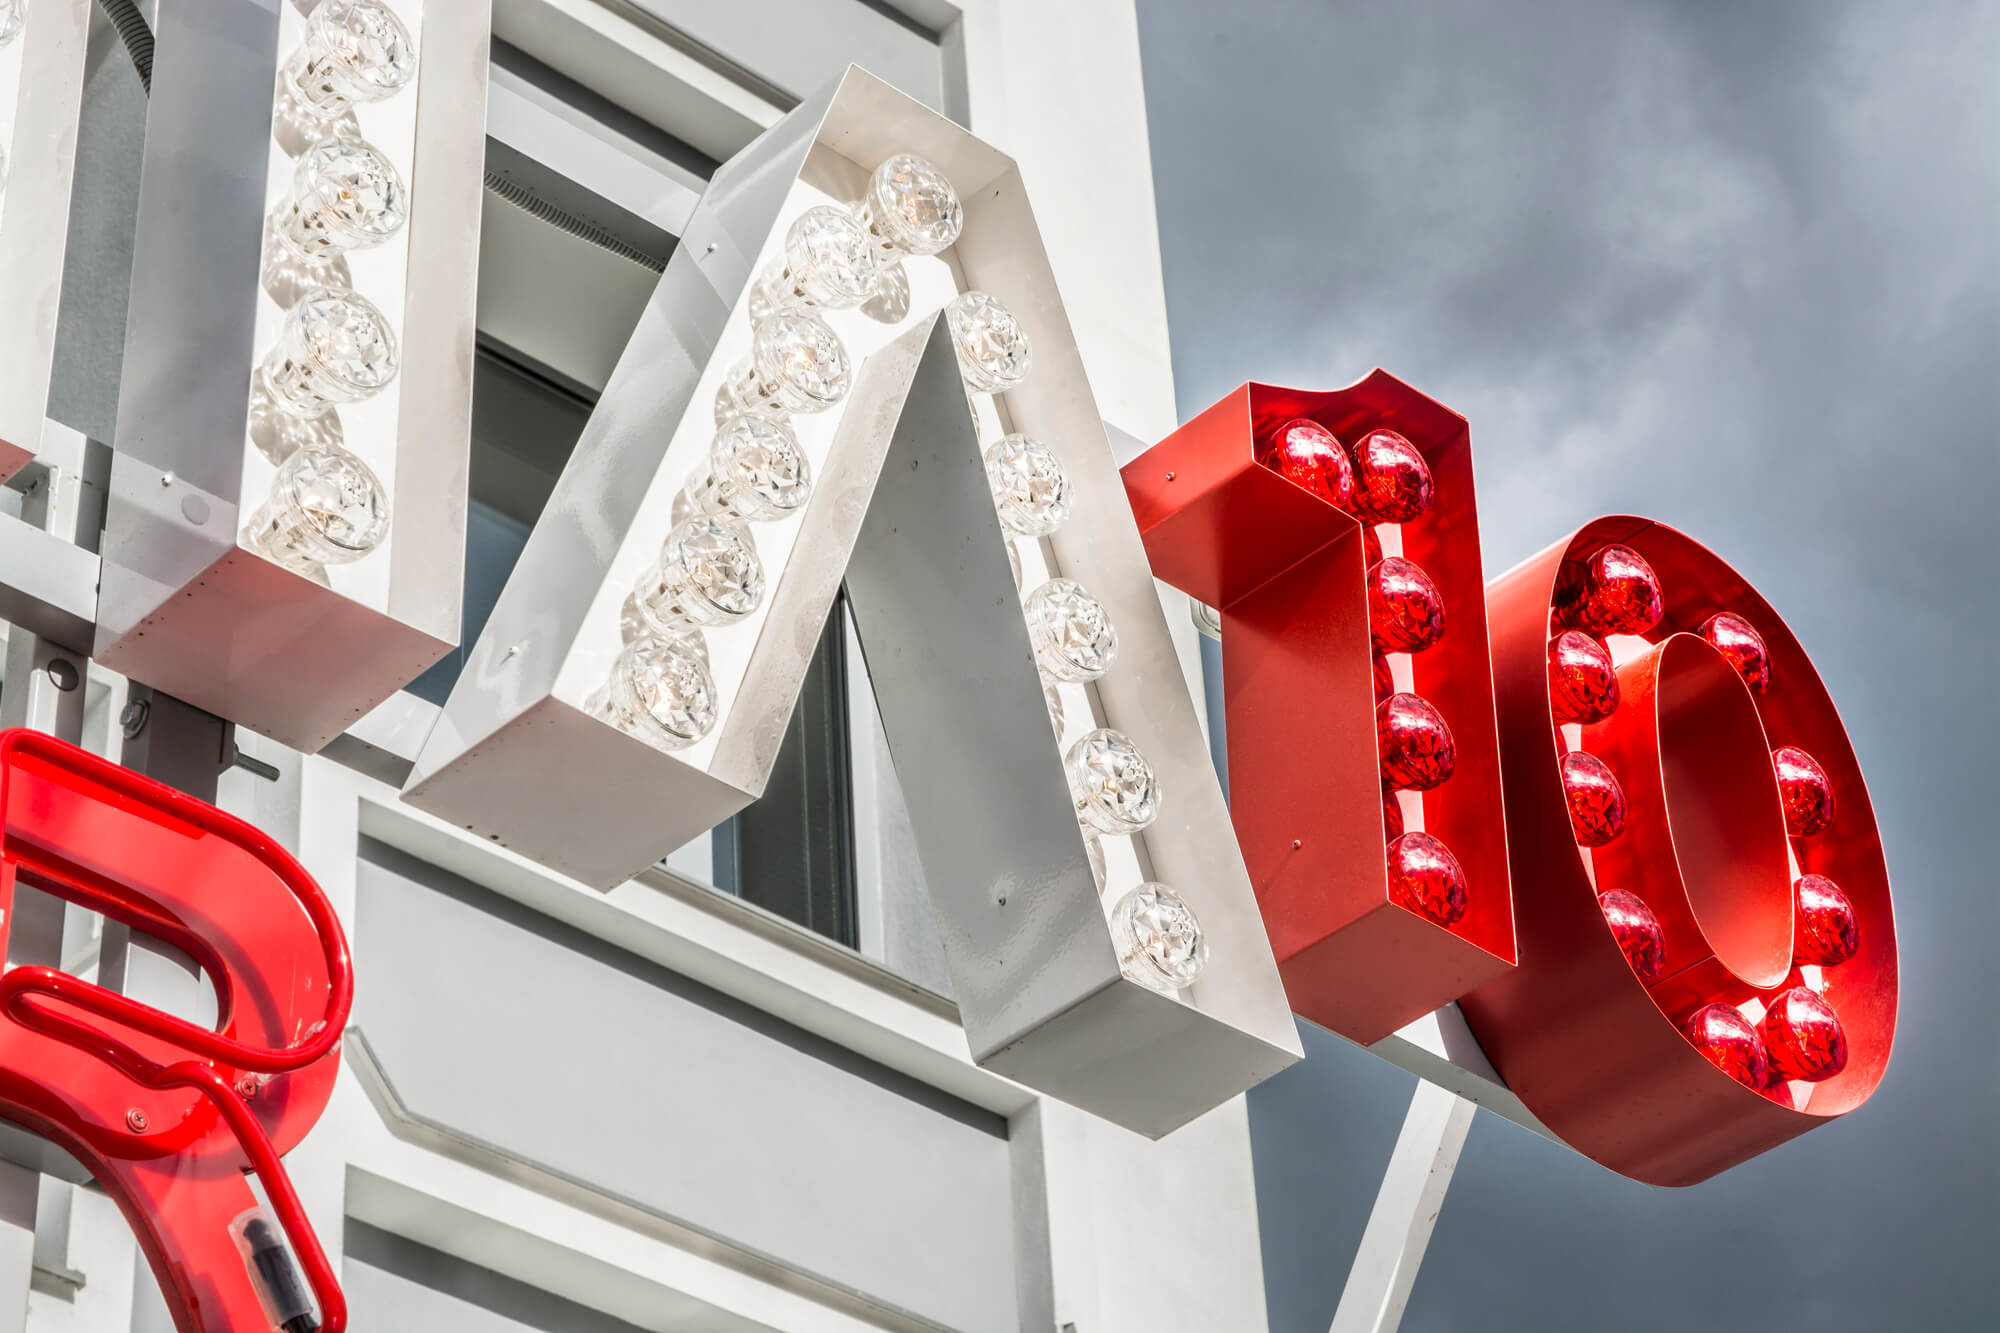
x,y
1406,1209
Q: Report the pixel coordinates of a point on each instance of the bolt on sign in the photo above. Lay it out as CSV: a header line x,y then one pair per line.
x,y
1677,947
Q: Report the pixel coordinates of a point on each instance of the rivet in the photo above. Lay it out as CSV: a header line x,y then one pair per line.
x,y
166,479
137,1120
1170,476
1297,843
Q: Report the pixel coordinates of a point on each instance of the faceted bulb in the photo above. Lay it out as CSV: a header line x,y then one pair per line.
x,y
830,262
910,208
334,347
1306,454
13,17
1596,801
1583,685
1803,1036
1029,486
1073,637
1729,1042
1805,789
661,691
1426,878
797,364
326,508
1738,640
992,346
1159,941
1113,785
1405,609
1620,594
1392,482
1825,929
1638,931
1416,746
355,51
345,196
708,574
756,470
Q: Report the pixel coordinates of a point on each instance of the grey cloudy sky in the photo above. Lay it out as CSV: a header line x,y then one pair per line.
x,y
1733,267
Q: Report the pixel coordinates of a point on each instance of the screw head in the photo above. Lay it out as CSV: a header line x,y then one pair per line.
x,y
1170,476
1298,843
247,1087
166,479
136,1120
132,720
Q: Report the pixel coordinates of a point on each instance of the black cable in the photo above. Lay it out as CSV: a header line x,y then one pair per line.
x,y
535,206
136,34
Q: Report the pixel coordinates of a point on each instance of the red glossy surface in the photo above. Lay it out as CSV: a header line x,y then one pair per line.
x,y
1405,609
1593,1050
1596,801
1619,594
1826,932
1306,454
1738,640
1392,816
1638,932
149,1103
1806,789
1727,1040
1415,744
1385,680
1288,572
1803,1036
1425,877
1583,686
1392,482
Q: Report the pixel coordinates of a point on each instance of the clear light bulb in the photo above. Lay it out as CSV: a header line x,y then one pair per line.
x,y
334,347
992,346
1159,941
756,470
326,508
345,196
1074,639
661,691
797,364
13,17
354,51
910,208
830,262
1113,785
1029,486
708,574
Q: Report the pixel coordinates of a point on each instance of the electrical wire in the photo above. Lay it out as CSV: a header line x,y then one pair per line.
x,y
137,36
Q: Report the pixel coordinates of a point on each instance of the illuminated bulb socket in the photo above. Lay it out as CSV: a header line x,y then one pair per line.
x,y
13,17
345,196
830,262
355,51
334,347
756,471
1030,489
708,574
991,344
661,692
1073,638
910,208
1113,785
326,508
1158,939
797,364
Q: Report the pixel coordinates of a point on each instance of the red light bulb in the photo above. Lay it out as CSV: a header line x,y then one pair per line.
x,y
1306,454
1738,640
1620,594
1416,745
1825,932
1637,931
1806,789
1803,1036
1583,685
1596,801
1426,878
1729,1042
1392,483
1405,609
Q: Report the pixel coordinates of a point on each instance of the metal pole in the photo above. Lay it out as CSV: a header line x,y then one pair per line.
x,y
1406,1209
